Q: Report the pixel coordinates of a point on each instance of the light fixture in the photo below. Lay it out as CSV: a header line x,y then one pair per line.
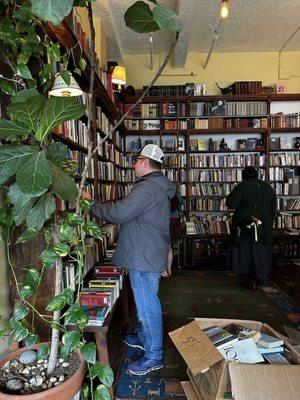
x,y
224,11
61,89
119,76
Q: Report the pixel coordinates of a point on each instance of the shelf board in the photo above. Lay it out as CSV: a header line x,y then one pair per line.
x,y
70,143
237,97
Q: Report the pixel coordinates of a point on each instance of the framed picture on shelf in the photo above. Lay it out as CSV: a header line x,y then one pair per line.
x,y
150,124
181,144
200,89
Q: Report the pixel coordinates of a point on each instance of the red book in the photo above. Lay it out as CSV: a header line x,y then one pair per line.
x,y
94,299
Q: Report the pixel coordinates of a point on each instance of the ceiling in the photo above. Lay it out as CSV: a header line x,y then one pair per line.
x,y
253,25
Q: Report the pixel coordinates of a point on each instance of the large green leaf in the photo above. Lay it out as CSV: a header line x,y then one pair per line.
x,y
28,235
57,152
167,18
104,373
58,110
59,301
12,158
41,212
11,130
48,258
101,393
70,341
31,339
28,111
88,352
22,204
63,186
34,177
76,316
31,278
51,10
139,17
23,95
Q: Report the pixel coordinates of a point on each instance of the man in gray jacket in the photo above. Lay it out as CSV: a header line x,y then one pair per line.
x,y
142,247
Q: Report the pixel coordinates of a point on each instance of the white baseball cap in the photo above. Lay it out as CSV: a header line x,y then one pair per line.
x,y
154,152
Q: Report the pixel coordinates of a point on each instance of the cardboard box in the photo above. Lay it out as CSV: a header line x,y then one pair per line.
x,y
212,376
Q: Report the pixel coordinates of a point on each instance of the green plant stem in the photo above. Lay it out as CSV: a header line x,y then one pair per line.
x,y
56,314
18,290
91,381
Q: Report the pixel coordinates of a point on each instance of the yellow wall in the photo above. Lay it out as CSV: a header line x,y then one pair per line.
x,y
224,68
100,35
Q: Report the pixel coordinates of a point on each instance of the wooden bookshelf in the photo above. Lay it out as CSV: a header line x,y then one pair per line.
x,y
182,173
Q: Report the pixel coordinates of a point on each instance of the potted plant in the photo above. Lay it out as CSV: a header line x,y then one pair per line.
x,y
34,171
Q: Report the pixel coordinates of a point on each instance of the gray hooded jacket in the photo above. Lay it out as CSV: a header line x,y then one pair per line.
x,y
143,216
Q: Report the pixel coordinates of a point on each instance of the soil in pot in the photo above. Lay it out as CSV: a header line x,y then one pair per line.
x,y
27,375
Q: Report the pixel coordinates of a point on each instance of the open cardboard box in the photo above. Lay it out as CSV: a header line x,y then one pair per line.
x,y
212,376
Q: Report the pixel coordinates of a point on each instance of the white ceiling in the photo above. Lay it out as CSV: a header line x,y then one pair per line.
x,y
253,25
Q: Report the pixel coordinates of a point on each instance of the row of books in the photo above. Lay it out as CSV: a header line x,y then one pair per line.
x,y
175,159
102,121
277,143
285,121
282,174
230,160
228,108
222,189
245,123
106,192
285,159
80,159
99,297
291,187
287,221
123,190
209,224
288,204
75,130
207,205
106,170
106,149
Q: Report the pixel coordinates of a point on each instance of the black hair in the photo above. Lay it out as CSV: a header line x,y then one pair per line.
x,y
249,173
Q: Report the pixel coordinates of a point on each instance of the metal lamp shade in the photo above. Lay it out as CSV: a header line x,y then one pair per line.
x,y
119,75
61,89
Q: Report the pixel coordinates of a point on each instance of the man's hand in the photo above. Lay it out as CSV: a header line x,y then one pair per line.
x,y
86,195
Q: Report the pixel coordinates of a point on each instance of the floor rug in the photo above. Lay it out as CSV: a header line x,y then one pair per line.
x,y
184,297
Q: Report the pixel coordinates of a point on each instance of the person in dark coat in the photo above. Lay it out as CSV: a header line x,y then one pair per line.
x,y
254,205
142,248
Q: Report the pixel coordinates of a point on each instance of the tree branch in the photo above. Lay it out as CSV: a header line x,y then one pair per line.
x,y
156,76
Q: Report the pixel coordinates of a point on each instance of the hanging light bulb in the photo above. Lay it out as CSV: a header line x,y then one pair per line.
x,y
224,11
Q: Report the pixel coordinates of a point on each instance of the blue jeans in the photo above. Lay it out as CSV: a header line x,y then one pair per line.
x,y
145,288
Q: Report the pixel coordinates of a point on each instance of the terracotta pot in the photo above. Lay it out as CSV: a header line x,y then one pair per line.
x,y
64,391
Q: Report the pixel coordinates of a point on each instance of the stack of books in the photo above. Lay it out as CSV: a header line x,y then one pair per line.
x,y
245,345
98,298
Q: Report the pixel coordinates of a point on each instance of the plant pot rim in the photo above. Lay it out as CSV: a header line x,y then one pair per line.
x,y
54,391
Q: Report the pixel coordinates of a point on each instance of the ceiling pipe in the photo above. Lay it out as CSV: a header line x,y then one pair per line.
x,y
215,37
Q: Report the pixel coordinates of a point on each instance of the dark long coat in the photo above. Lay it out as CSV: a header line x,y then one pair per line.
x,y
243,199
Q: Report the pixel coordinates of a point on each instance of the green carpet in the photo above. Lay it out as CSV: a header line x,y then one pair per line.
x,y
183,297
218,295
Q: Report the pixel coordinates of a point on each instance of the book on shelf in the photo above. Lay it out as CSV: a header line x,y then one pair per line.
x,y
269,341
274,143
251,143
217,107
94,299
241,144
96,315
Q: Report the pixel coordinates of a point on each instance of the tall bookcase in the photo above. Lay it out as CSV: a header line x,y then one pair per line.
x,y
258,130
105,177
